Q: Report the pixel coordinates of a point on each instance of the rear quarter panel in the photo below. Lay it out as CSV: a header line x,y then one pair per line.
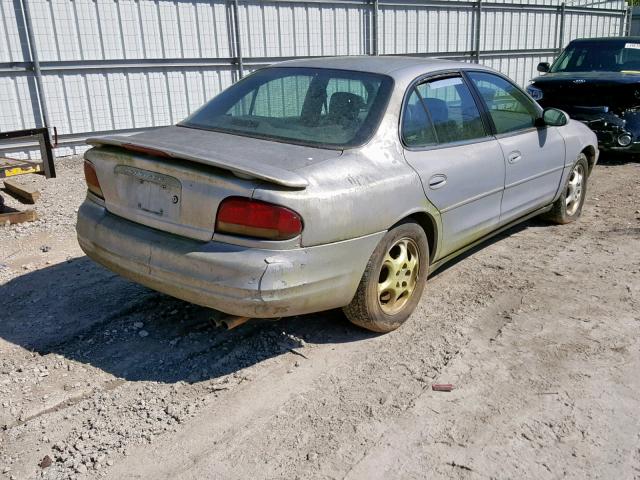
x,y
364,191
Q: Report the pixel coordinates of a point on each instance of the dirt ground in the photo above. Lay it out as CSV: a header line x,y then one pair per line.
x,y
538,329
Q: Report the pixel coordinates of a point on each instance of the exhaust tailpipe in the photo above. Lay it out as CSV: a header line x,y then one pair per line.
x,y
230,322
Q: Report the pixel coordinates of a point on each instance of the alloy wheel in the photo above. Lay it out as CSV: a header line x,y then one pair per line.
x,y
398,275
573,195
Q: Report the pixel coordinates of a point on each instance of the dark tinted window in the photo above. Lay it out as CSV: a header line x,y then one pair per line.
x,y
302,105
599,56
452,110
509,107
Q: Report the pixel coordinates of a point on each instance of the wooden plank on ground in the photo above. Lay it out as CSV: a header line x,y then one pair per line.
x,y
18,217
26,193
10,167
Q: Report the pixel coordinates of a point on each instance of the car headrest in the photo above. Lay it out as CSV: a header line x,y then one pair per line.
x,y
438,109
418,111
416,116
345,106
604,59
488,94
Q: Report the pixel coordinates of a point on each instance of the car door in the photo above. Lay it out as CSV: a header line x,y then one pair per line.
x,y
460,165
534,155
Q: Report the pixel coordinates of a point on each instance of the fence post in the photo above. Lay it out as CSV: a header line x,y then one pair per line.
x,y
477,27
33,52
563,6
238,40
374,28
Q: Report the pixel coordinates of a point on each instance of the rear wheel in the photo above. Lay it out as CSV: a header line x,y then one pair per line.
x,y
569,206
393,280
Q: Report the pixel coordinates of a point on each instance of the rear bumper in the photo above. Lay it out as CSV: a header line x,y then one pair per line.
x,y
236,280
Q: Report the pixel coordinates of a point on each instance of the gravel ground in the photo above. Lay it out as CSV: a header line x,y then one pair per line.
x,y
539,330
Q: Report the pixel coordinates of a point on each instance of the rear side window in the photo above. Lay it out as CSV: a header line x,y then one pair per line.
x,y
452,110
510,108
417,128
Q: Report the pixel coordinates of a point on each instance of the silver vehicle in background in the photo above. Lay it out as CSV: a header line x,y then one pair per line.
x,y
324,183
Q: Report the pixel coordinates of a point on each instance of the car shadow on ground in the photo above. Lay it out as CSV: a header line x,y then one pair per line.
x,y
85,313
616,158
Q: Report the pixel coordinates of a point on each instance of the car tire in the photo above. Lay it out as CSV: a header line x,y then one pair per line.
x,y
393,280
568,207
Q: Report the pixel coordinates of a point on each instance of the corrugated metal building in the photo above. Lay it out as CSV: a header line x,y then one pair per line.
x,y
126,65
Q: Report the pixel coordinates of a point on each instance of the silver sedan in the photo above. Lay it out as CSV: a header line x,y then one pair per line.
x,y
325,183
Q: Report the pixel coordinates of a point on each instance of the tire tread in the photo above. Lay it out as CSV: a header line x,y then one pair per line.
x,y
558,212
360,312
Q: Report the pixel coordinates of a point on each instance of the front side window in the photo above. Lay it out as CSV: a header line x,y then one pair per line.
x,y
510,108
451,109
325,107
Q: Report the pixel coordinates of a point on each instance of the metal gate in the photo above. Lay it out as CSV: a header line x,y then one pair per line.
x,y
88,67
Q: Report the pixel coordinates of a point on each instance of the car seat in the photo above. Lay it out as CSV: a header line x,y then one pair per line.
x,y
344,107
416,126
447,130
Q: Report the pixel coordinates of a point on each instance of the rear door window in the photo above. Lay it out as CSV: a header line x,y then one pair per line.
x,y
417,128
452,110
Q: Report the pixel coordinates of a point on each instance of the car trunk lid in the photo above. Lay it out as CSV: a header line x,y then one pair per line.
x,y
266,160
174,181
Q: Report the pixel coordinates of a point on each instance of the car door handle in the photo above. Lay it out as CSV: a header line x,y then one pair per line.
x,y
515,157
437,181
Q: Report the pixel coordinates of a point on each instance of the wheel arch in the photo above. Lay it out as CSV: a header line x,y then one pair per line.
x,y
590,153
429,225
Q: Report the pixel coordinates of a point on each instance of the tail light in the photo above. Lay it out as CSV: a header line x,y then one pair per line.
x,y
253,218
92,179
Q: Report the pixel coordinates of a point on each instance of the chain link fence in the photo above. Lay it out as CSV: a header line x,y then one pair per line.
x,y
87,67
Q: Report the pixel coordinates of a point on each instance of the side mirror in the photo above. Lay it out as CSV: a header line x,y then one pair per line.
x,y
552,117
544,67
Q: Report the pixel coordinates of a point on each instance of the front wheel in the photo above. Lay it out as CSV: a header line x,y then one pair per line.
x,y
568,207
393,280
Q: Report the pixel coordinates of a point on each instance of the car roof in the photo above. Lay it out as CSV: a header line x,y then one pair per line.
x,y
607,39
397,67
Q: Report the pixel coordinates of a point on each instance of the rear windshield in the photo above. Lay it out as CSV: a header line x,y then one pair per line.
x,y
600,56
311,106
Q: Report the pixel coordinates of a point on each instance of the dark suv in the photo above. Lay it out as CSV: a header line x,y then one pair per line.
x,y
597,81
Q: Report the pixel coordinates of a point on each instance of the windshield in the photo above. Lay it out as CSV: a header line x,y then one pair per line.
x,y
599,56
316,106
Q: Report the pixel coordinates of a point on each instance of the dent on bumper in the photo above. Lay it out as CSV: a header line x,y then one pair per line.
x,y
233,279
